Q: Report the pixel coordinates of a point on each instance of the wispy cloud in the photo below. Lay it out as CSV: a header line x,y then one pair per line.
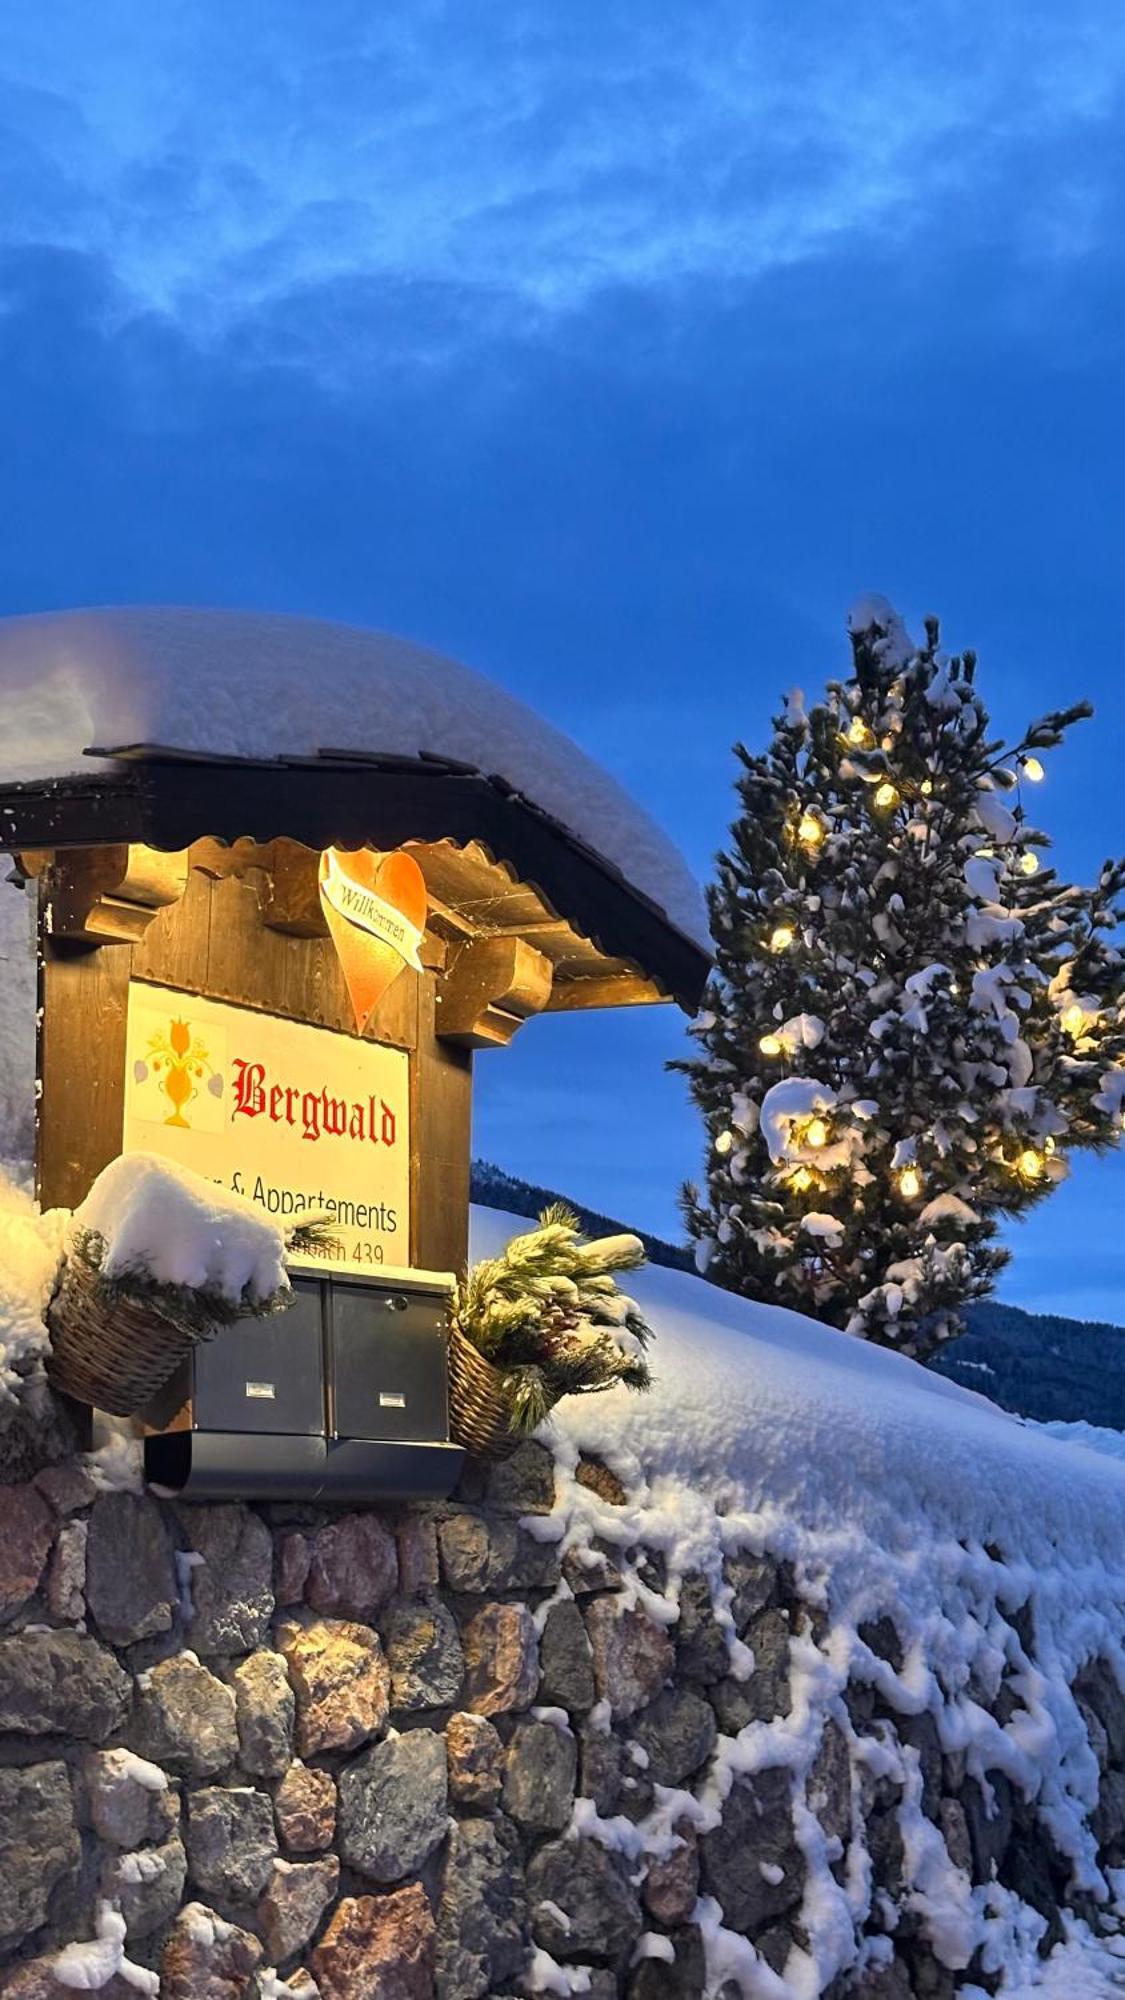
x,y
221,156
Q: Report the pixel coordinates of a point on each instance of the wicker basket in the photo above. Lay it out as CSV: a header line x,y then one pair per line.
x,y
478,1407
114,1356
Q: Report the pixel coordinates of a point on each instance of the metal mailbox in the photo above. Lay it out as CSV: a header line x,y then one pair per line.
x,y
388,1352
344,1397
265,1375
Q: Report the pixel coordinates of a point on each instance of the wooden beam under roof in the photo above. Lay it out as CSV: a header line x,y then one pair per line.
x,y
494,862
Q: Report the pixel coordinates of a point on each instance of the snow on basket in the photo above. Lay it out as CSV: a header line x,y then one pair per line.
x,y
156,1260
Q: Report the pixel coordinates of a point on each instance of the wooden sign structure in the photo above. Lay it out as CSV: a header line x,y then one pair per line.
x,y
236,883
277,972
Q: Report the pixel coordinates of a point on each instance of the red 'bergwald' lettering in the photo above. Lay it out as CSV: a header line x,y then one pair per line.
x,y
249,1089
314,1113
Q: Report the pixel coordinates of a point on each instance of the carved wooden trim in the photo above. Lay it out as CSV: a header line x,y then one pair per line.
x,y
493,986
570,996
283,875
110,894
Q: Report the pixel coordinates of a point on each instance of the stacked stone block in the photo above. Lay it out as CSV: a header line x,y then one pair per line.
x,y
308,1753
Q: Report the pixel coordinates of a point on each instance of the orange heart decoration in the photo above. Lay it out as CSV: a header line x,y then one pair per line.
x,y
375,907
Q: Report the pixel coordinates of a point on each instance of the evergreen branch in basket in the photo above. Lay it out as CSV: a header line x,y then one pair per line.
x,y
314,1236
548,1313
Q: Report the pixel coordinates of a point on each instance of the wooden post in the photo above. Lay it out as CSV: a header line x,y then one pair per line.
x,y
441,1116
81,1066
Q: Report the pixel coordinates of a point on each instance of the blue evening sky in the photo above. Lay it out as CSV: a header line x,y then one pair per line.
x,y
614,349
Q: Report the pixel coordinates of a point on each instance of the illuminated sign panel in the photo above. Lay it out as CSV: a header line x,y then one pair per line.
x,y
301,1120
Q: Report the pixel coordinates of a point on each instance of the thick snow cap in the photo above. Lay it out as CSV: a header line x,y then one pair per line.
x,y
242,684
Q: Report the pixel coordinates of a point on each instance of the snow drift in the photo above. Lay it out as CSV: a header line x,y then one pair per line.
x,y
897,1494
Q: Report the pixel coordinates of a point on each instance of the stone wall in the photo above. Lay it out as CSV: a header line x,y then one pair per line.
x,y
265,1751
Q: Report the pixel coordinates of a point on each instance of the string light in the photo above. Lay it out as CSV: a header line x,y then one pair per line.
x,y
802,1180
1033,769
910,1183
1048,1146
816,1132
724,1142
859,734
782,938
926,787
886,796
1029,863
1075,1020
1029,1166
810,830
771,1045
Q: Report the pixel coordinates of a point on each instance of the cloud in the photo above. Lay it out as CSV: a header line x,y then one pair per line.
x,y
222,157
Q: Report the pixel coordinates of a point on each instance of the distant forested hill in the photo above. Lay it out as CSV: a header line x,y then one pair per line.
x,y
493,1188
1038,1364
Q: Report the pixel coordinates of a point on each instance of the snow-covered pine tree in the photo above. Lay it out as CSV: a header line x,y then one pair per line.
x,y
913,1021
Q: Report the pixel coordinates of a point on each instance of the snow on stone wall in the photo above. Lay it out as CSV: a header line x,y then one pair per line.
x,y
711,1697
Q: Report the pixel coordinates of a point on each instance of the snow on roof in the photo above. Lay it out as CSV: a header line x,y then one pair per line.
x,y
242,684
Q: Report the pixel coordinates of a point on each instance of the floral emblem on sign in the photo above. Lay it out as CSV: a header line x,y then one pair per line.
x,y
180,1065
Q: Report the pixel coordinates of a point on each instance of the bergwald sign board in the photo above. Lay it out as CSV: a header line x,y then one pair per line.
x,y
302,1120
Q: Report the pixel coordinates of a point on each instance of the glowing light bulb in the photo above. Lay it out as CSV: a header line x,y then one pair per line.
x,y
816,1132
771,1045
1033,769
782,938
927,787
886,796
1029,863
859,734
724,1142
910,1183
802,1180
1048,1146
1073,1019
1029,1166
810,830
